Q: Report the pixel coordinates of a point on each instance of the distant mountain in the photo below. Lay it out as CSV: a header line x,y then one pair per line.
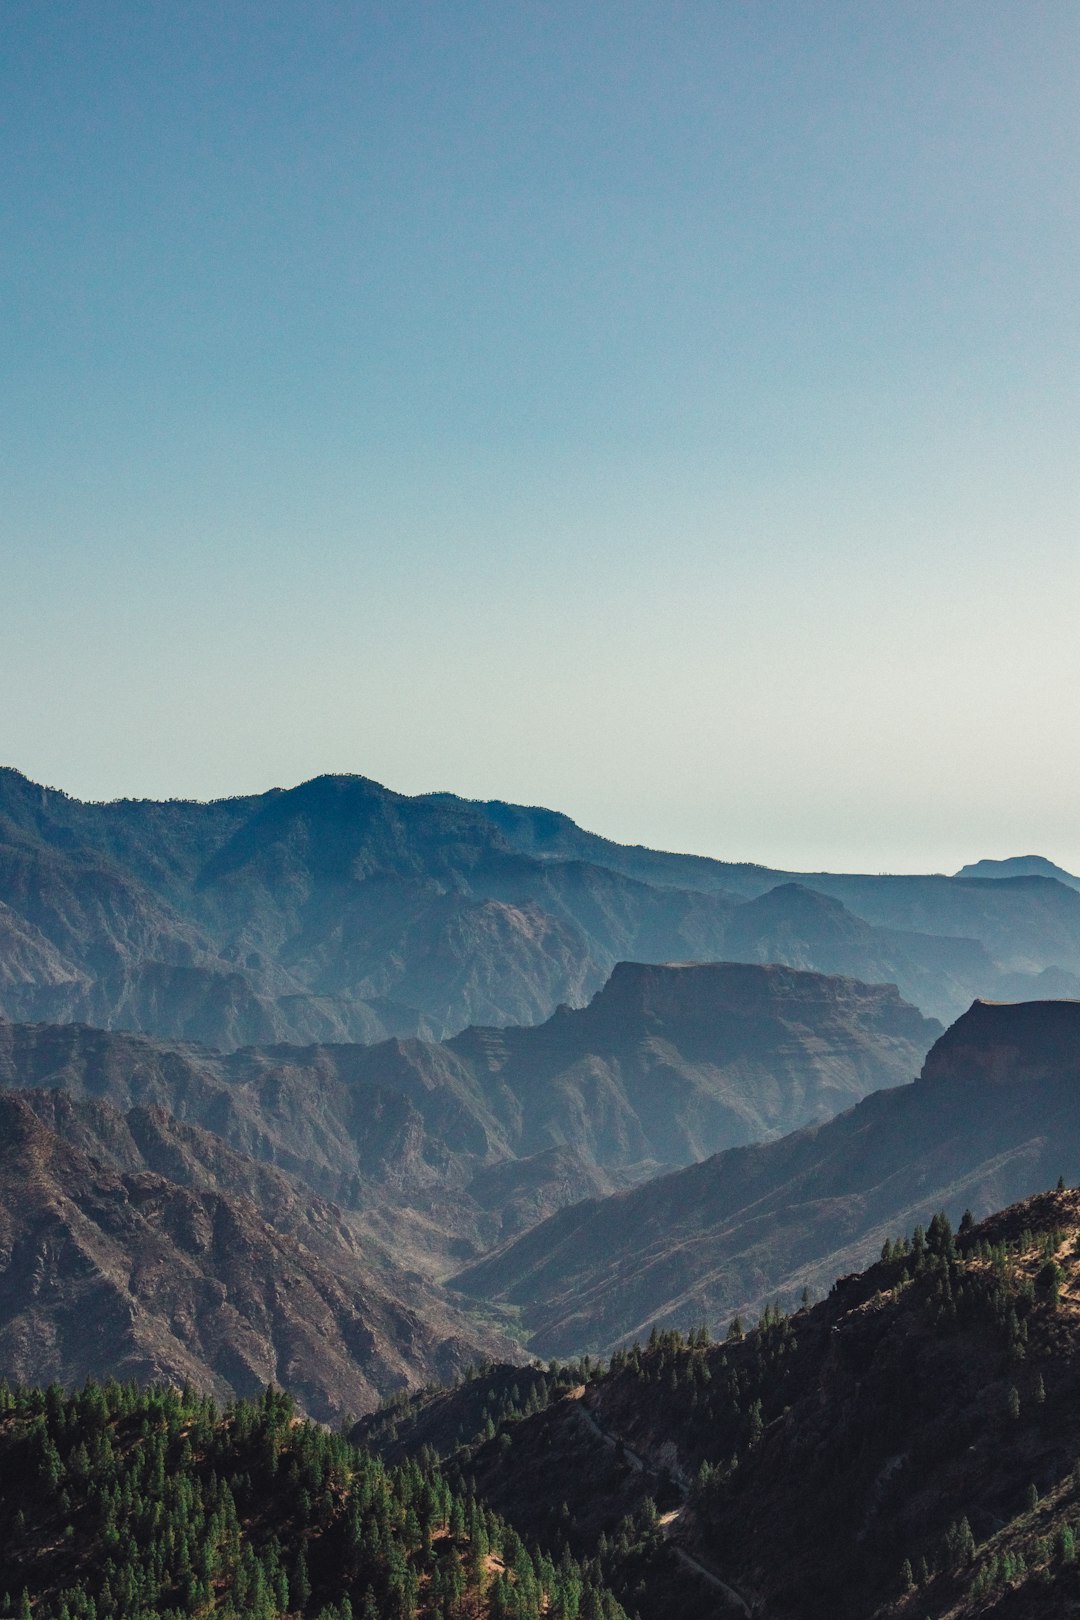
x,y
134,1246
1019,866
904,1450
450,1147
994,1114
667,1059
341,911
335,911
805,928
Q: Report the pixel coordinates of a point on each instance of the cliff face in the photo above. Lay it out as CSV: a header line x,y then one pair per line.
x,y
707,993
1026,1044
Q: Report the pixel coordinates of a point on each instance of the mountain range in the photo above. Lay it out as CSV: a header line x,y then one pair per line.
x,y
342,911
379,1098
993,1116
442,1150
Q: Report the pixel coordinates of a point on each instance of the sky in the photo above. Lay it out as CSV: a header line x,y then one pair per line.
x,y
664,412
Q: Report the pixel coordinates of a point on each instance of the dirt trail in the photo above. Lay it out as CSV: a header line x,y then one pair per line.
x,y
669,1522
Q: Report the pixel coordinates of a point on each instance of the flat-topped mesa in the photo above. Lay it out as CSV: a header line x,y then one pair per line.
x,y
1015,866
689,991
1008,1043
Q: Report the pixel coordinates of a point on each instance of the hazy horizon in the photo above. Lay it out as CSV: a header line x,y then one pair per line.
x,y
667,415
754,859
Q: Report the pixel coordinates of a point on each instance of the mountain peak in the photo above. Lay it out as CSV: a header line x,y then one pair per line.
x,y
1019,866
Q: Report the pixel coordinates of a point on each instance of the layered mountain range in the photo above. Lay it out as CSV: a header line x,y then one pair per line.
x,y
447,1148
339,910
335,1087
994,1115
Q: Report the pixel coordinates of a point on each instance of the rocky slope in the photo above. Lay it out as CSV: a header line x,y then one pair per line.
x,y
450,1147
339,910
134,1246
994,1114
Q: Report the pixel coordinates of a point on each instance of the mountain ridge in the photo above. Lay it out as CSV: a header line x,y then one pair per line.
x,y
994,1114
713,1054
339,910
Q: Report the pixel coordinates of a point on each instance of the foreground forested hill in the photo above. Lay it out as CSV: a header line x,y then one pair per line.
x,y
909,1447
155,1505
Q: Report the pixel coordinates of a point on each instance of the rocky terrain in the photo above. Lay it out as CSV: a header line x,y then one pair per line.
x,y
133,1246
449,1148
994,1115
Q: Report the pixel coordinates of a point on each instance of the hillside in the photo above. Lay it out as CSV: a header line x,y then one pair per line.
x,y
908,1447
136,1247
158,1504
994,1114
342,911
482,1136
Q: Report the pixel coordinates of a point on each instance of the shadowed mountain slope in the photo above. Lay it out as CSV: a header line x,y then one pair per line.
x,y
906,1448
133,1246
994,1114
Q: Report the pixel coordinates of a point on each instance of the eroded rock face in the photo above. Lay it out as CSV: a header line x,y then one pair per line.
x,y
1032,1043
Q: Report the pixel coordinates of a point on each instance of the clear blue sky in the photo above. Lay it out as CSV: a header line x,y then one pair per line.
x,y
666,412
